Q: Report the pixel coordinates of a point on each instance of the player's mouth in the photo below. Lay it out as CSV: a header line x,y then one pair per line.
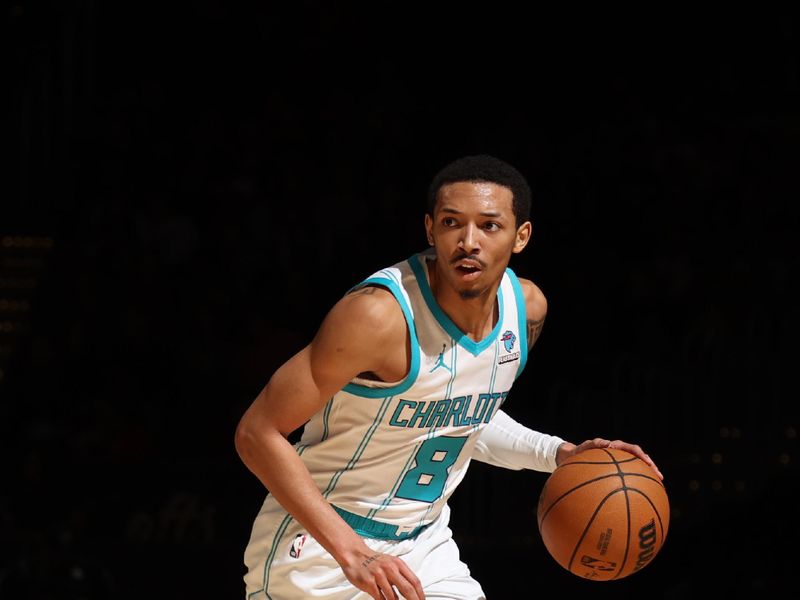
x,y
468,269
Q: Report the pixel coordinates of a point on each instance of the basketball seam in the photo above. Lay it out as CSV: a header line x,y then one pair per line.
x,y
655,510
580,485
598,462
588,525
628,532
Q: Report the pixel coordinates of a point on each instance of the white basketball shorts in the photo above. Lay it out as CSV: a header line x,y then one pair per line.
x,y
285,563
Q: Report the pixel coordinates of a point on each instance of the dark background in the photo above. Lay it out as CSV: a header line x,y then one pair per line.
x,y
190,188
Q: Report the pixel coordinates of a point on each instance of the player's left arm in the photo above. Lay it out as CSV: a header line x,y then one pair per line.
x,y
535,310
509,444
505,442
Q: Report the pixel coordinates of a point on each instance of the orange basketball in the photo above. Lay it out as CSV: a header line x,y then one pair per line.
x,y
603,514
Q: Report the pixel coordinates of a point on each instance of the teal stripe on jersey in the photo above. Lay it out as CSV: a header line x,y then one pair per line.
x,y
325,416
413,371
463,339
453,368
494,366
361,447
427,512
492,380
522,317
453,373
277,540
392,275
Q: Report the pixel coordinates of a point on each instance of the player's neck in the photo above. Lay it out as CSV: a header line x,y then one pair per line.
x,y
476,317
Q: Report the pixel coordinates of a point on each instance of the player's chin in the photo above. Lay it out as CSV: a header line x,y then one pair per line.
x,y
470,293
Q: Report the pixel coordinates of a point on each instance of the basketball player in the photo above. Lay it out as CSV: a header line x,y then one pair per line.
x,y
401,387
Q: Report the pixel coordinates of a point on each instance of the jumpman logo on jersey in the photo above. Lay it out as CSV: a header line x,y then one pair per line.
x,y
440,361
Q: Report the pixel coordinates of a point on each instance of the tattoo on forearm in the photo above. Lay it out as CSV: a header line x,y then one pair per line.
x,y
370,559
534,329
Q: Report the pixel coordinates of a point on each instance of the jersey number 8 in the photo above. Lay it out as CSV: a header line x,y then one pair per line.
x,y
425,482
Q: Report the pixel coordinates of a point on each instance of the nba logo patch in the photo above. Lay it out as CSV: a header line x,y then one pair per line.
x,y
297,545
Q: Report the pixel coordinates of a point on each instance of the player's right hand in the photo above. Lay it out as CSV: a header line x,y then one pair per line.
x,y
382,576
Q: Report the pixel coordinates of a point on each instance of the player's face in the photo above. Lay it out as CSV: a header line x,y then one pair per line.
x,y
474,231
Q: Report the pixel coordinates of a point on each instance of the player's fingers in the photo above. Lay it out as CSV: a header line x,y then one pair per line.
x,y
650,462
658,472
412,590
593,443
632,448
374,586
373,590
637,450
385,587
408,591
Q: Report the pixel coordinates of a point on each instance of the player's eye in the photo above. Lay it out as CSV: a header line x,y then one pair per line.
x,y
449,222
491,226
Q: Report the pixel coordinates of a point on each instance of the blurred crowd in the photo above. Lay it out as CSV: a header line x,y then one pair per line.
x,y
199,235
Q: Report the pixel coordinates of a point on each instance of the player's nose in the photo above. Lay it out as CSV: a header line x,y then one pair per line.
x,y
469,240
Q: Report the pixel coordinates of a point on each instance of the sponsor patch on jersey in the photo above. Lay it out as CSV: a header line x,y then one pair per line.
x,y
508,358
297,545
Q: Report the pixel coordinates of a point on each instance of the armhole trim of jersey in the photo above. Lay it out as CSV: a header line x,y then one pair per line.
x,y
413,370
522,317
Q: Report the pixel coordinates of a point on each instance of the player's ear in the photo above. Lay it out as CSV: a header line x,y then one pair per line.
x,y
429,228
523,236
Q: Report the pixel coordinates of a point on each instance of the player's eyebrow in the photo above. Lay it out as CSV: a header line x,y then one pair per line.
x,y
488,213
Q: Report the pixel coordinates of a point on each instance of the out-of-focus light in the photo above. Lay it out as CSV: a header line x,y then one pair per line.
x,y
784,458
19,283
22,263
27,241
716,458
694,485
16,305
739,485
716,485
791,433
724,432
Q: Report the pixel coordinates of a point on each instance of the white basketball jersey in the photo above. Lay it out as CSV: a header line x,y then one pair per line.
x,y
388,456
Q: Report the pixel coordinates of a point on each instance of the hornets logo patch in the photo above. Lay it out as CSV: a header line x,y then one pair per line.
x,y
508,340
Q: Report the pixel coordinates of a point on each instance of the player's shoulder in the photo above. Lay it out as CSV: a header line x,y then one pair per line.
x,y
371,299
369,310
535,300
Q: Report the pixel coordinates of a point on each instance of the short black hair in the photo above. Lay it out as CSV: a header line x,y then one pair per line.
x,y
485,169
